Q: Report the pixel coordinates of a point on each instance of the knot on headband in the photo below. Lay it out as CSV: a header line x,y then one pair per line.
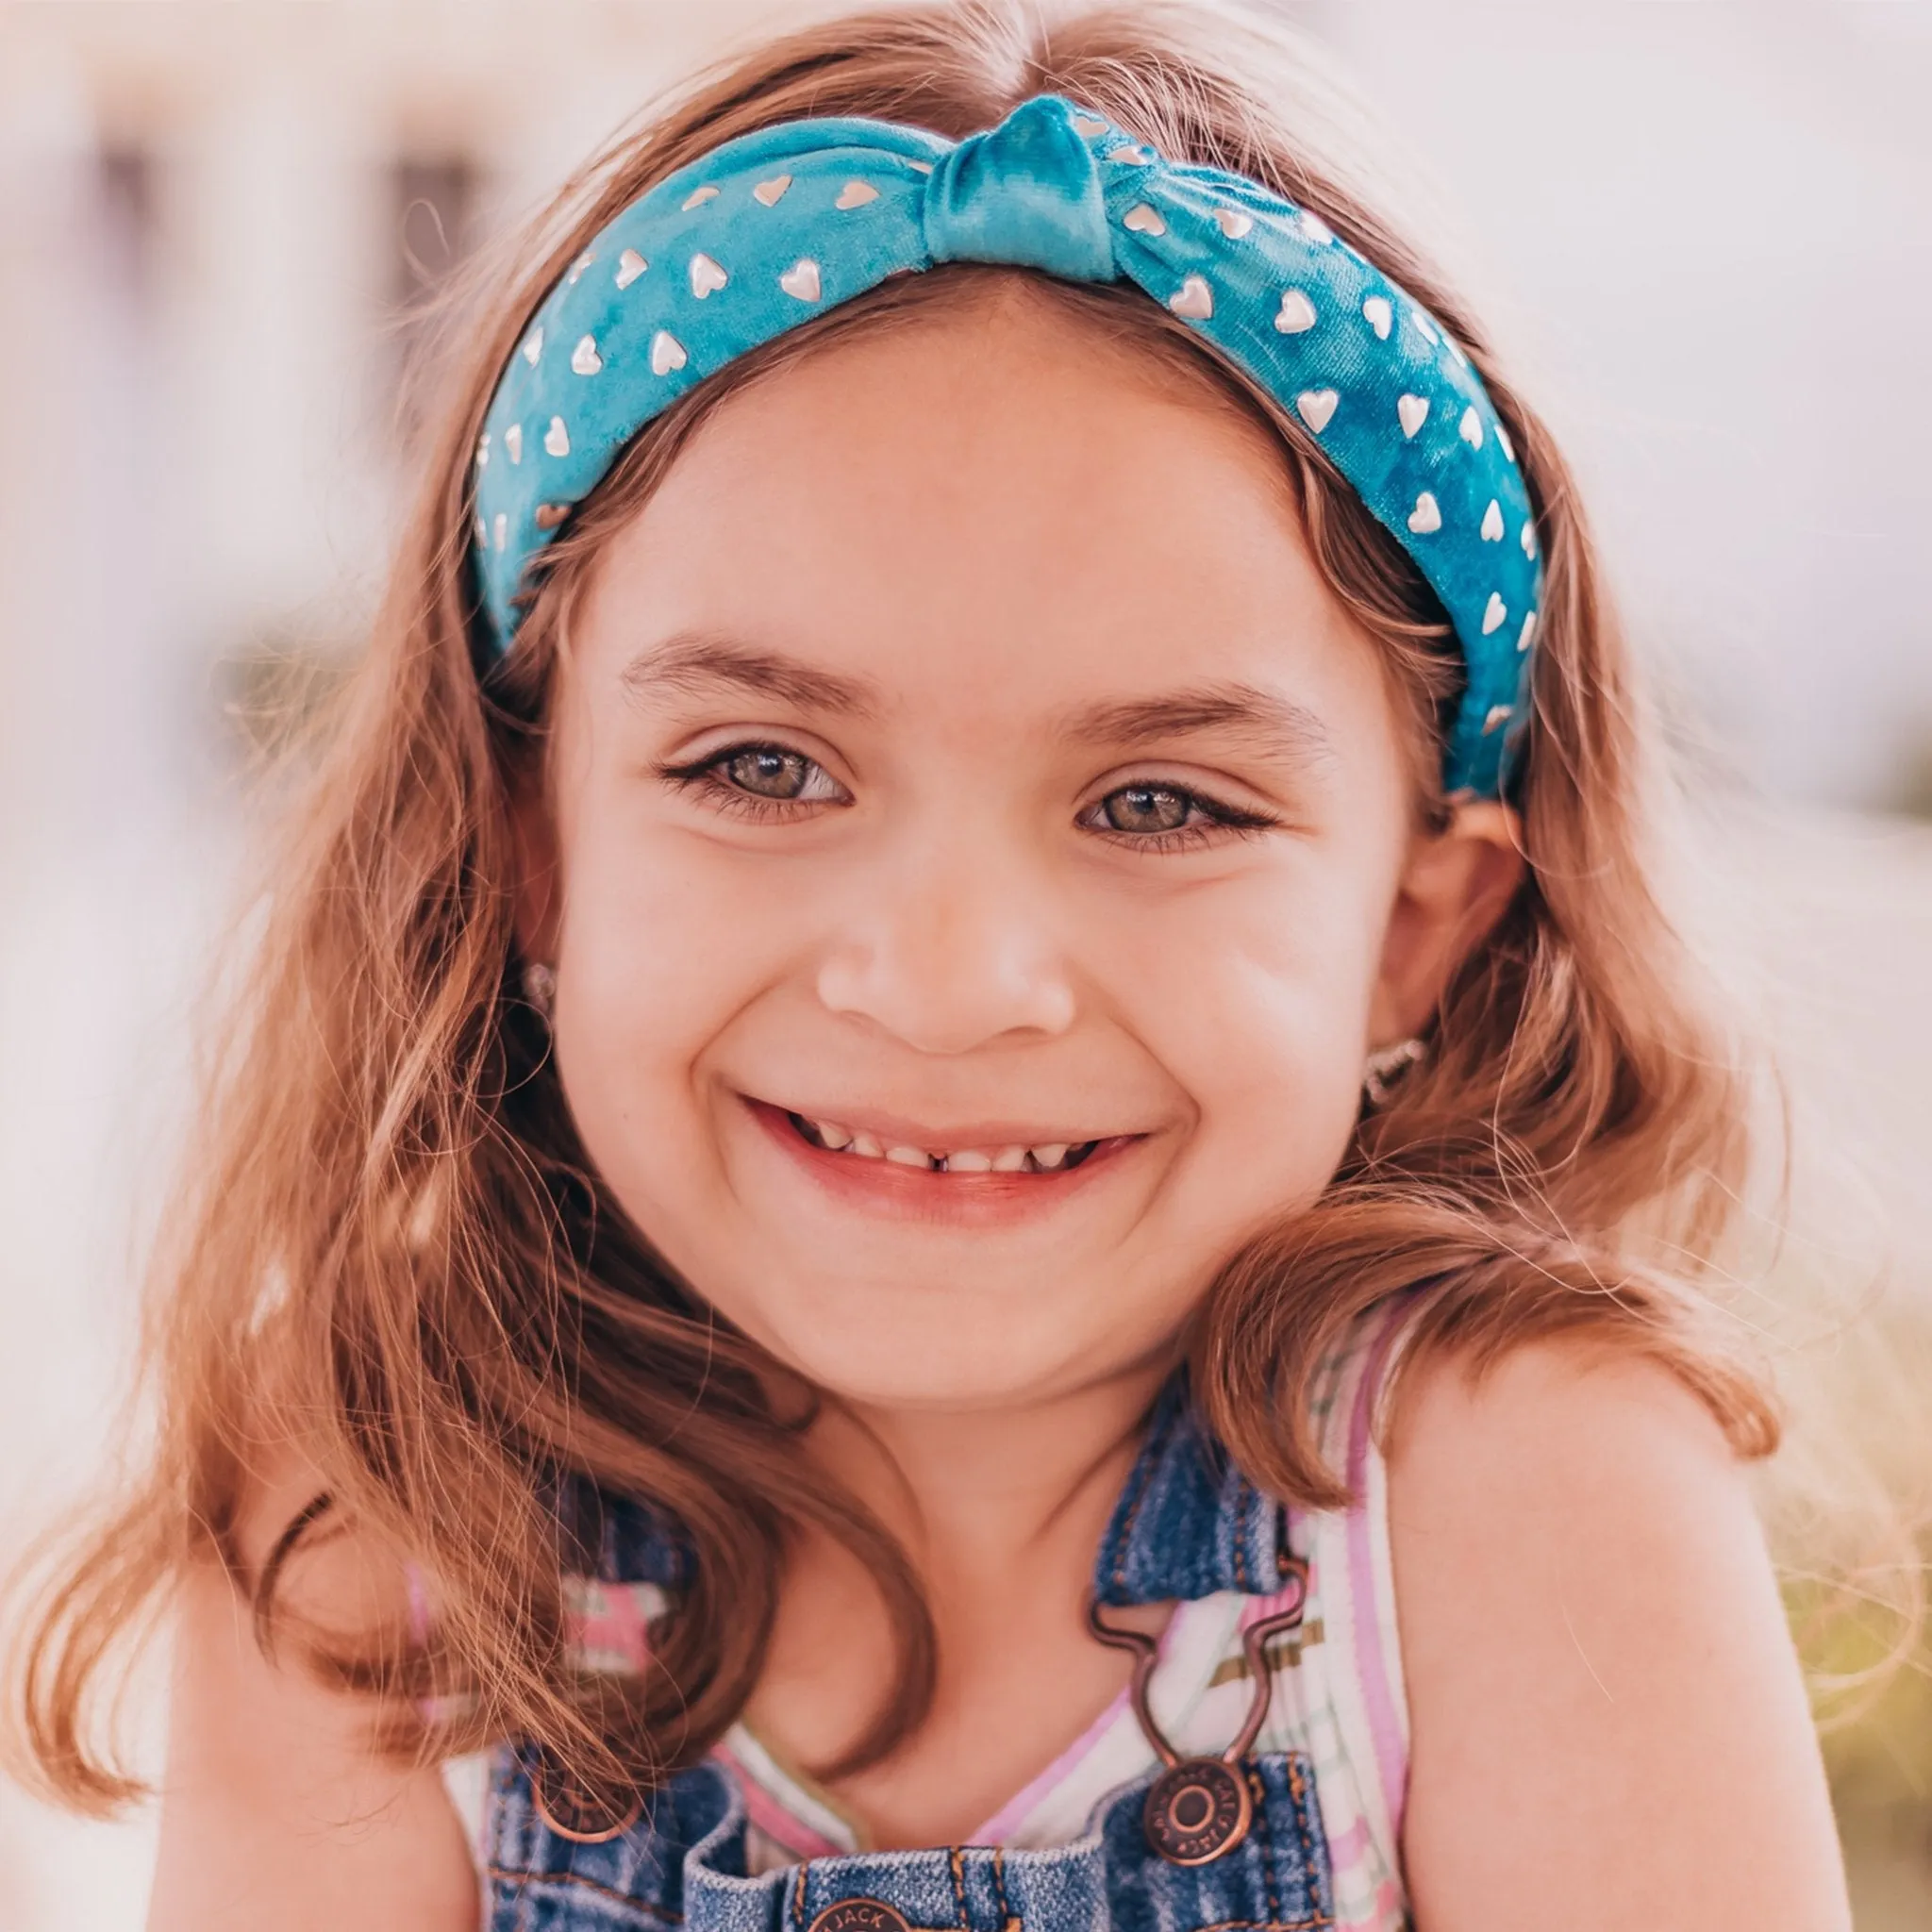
x,y
778,226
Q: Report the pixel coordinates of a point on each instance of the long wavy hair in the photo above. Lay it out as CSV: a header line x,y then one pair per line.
x,y
392,1249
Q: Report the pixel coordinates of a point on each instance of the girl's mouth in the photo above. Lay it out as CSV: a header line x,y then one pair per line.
x,y
1055,1157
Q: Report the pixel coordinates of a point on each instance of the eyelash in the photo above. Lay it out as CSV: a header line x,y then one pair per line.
x,y
705,776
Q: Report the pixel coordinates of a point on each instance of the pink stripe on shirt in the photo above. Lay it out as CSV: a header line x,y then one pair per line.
x,y
1385,1727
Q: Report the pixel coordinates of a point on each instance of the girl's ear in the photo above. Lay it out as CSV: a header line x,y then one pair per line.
x,y
1456,885
538,876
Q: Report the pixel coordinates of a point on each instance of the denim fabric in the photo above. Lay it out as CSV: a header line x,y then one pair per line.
x,y
1187,1524
682,1866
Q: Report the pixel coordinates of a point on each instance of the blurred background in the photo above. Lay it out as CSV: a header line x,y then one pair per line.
x,y
1702,231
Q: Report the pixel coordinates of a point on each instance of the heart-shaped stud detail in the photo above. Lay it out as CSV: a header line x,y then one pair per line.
x,y
667,352
1378,315
1427,515
1492,522
855,194
1498,714
1455,348
919,167
533,346
1143,220
513,443
1193,299
769,192
1316,407
500,529
483,451
1316,229
801,281
584,358
1471,428
1089,126
698,196
1528,540
630,265
1297,313
556,438
1494,612
1414,412
1235,221
1526,636
1503,444
1134,156
550,514
1424,328
705,275
577,268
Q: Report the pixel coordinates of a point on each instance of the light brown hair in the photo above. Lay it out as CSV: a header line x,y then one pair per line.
x,y
392,1251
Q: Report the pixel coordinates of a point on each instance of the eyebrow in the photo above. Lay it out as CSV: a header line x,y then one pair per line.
x,y
698,663
1276,726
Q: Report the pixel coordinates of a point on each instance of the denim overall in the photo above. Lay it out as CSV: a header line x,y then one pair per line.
x,y
1187,1525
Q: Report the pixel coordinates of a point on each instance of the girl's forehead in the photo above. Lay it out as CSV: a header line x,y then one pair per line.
x,y
1005,496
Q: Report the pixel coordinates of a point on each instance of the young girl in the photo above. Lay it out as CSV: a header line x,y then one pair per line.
x,y
945,1181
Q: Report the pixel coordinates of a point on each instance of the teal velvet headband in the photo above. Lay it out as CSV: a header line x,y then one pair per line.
x,y
779,225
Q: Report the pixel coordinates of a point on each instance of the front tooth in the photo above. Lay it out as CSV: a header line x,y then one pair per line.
x,y
969,1160
909,1157
835,1137
1010,1161
1045,1158
865,1144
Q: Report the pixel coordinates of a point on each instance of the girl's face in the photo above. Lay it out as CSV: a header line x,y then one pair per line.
x,y
978,857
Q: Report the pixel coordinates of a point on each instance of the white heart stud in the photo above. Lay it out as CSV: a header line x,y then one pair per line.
x,y
920,168
584,358
630,265
1424,328
1503,444
1414,412
502,529
1143,220
801,281
533,346
1494,612
1526,636
769,192
513,443
549,515
1492,522
855,194
1089,126
483,451
1235,221
667,352
577,268
1297,313
1378,315
1316,229
1134,156
1471,428
1193,299
556,438
705,275
698,196
1427,515
1498,714
1528,540
1316,407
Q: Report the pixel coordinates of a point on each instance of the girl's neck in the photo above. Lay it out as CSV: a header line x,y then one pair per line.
x,y
1001,1511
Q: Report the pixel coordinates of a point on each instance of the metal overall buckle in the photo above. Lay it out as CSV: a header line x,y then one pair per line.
x,y
1200,1809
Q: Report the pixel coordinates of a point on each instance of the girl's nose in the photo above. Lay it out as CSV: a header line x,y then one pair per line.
x,y
950,958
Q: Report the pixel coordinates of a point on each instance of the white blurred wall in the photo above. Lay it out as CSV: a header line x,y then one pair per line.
x,y
1701,224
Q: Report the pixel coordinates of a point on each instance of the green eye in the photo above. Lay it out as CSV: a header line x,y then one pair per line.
x,y
766,772
1147,808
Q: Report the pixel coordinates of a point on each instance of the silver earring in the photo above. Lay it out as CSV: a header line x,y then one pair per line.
x,y
539,989
1385,1070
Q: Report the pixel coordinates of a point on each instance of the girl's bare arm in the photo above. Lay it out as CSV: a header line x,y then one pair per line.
x,y
276,1809
1610,1724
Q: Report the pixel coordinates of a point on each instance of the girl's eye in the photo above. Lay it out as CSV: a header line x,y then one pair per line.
x,y
1168,818
766,772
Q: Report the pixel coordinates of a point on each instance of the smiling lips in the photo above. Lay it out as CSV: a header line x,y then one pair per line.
x,y
1055,1157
